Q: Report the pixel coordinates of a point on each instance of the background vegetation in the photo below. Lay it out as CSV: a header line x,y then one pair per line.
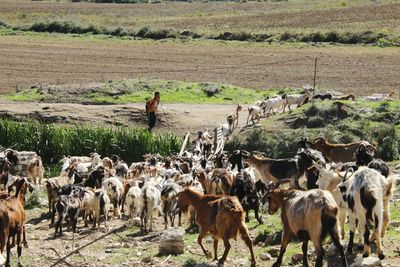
x,y
51,142
347,22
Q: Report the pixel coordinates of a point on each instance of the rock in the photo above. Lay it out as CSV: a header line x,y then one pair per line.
x,y
212,91
108,251
297,257
146,260
126,245
366,262
260,244
274,251
136,221
172,241
395,224
139,254
265,256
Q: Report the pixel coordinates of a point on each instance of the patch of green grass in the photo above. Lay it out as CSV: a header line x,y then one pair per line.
x,y
25,95
138,90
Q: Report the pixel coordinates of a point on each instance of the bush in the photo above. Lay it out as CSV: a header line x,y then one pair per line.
x,y
315,122
33,200
51,142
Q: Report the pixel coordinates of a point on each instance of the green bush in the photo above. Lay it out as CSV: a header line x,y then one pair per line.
x,y
33,200
315,122
51,142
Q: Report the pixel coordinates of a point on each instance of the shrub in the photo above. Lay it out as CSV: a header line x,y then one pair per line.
x,y
33,200
315,122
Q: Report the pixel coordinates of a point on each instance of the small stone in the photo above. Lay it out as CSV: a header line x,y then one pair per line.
x,y
260,244
139,254
136,221
126,245
146,260
366,262
297,257
395,224
274,251
265,256
108,250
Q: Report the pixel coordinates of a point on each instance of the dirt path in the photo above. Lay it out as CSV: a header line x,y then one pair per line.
x,y
178,118
27,60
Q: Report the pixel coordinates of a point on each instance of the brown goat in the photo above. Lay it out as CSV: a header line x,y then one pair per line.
x,y
233,119
222,216
339,152
12,220
309,215
220,182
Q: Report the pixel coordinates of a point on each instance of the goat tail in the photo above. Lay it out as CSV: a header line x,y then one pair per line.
x,y
328,220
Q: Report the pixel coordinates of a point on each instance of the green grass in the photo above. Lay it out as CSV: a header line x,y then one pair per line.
x,y
138,90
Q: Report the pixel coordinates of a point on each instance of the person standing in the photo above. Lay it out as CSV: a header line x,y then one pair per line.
x,y
151,108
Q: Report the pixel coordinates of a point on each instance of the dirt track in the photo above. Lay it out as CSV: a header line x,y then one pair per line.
x,y
178,118
27,60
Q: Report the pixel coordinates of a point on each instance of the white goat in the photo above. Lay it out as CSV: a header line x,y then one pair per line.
x,y
255,113
150,204
114,188
295,99
133,198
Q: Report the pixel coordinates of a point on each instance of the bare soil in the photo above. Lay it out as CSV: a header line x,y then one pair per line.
x,y
28,60
178,118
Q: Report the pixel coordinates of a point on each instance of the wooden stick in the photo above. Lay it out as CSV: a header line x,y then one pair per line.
x,y
91,242
184,144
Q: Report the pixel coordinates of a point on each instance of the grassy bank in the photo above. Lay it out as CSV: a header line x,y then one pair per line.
x,y
138,90
377,122
51,142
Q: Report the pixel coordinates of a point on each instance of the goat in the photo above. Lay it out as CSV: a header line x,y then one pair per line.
x,y
346,97
150,204
114,189
339,152
233,119
380,97
222,216
55,183
366,158
323,96
272,170
220,182
68,206
272,103
309,215
133,197
36,170
255,113
100,204
170,203
366,194
296,99
305,162
12,220
95,178
245,189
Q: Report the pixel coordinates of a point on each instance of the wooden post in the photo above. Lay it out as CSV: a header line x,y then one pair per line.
x,y
315,76
184,144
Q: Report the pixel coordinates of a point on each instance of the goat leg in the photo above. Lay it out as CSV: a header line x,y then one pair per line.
x,y
320,254
227,248
7,264
258,217
215,249
284,243
200,242
304,247
19,246
334,233
244,233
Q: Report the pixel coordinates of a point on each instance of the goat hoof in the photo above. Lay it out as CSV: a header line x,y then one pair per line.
x,y
365,255
276,264
221,263
20,265
360,247
381,256
349,251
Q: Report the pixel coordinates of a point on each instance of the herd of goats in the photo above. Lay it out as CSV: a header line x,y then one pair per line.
x,y
217,192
